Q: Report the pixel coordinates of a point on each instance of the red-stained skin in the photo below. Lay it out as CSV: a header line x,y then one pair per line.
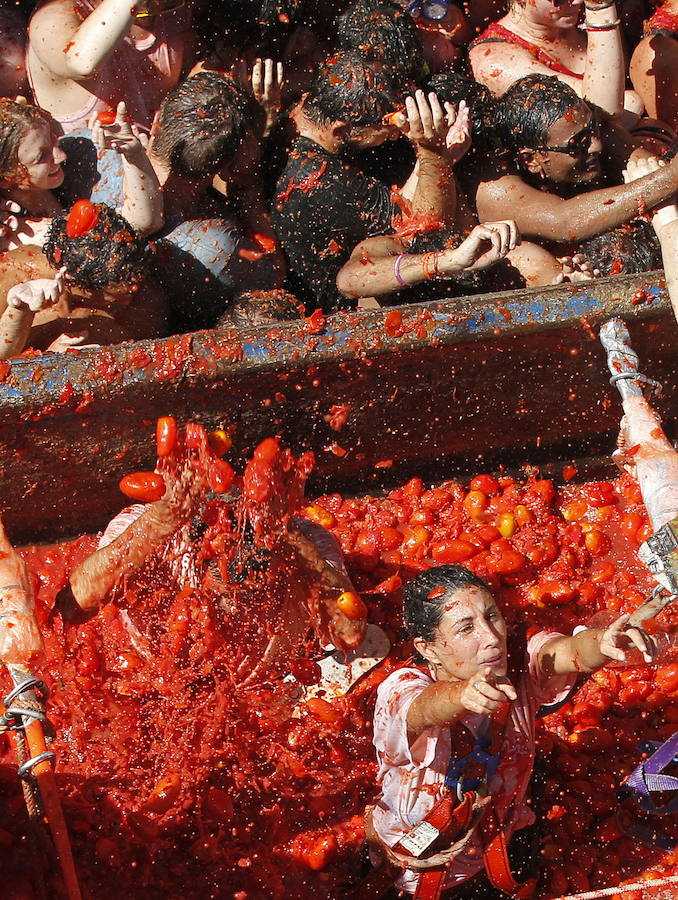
x,y
176,781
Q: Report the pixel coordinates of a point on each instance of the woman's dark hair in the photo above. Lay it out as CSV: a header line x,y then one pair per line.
x,y
384,32
627,250
16,119
109,253
453,87
530,107
425,604
201,124
349,88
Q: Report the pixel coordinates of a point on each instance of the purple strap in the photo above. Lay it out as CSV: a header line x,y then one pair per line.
x,y
648,777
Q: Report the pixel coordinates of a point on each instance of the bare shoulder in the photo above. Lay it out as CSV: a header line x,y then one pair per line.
x,y
50,18
498,64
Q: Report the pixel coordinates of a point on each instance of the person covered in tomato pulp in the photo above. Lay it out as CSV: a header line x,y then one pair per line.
x,y
458,723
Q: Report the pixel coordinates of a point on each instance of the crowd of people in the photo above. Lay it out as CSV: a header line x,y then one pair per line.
x,y
172,166
263,160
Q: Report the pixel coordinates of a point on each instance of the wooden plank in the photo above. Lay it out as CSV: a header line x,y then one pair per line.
x,y
468,383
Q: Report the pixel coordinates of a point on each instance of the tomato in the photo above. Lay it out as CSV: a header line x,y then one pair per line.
x,y
144,486
416,538
505,559
596,542
106,117
321,851
220,476
264,242
165,435
589,591
486,534
507,525
556,592
320,515
388,538
314,323
486,484
644,532
220,442
475,503
574,510
323,710
195,435
454,551
306,671
267,450
82,218
569,472
545,490
522,514
666,678
163,794
422,517
352,606
603,573
630,524
599,493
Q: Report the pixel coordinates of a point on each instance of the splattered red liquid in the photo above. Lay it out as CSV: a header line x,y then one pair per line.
x,y
179,782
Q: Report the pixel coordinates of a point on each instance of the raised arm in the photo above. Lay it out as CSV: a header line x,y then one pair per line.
x,y
92,582
593,648
665,224
549,217
440,138
445,702
23,302
142,205
380,266
605,69
71,48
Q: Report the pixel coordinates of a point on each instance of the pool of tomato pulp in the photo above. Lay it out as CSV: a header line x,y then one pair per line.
x,y
178,780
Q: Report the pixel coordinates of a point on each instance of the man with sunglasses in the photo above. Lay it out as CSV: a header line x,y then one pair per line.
x,y
555,186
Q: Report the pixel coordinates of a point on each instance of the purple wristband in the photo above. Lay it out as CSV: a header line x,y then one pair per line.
x,y
396,271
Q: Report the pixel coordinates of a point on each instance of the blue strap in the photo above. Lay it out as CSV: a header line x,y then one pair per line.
x,y
454,779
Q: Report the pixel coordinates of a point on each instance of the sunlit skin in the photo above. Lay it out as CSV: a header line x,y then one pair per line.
x,y
470,639
41,158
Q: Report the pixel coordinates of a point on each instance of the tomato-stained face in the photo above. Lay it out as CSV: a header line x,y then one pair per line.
x,y
471,637
40,157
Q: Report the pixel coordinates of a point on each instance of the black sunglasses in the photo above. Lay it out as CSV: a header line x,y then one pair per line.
x,y
579,144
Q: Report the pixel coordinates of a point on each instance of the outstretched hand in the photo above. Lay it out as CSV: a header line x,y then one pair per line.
x,y
431,127
485,245
120,135
33,295
485,693
620,636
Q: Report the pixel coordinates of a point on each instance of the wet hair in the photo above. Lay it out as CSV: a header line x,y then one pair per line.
x,y
349,88
109,253
201,124
453,87
529,108
16,120
386,33
423,613
627,250
261,308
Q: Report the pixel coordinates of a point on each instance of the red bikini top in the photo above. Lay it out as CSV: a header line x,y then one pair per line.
x,y
497,34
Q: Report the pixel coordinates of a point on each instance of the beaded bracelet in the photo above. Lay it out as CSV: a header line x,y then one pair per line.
x,y
607,26
396,271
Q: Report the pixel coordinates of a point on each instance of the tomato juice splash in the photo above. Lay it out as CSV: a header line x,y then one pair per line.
x,y
180,779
